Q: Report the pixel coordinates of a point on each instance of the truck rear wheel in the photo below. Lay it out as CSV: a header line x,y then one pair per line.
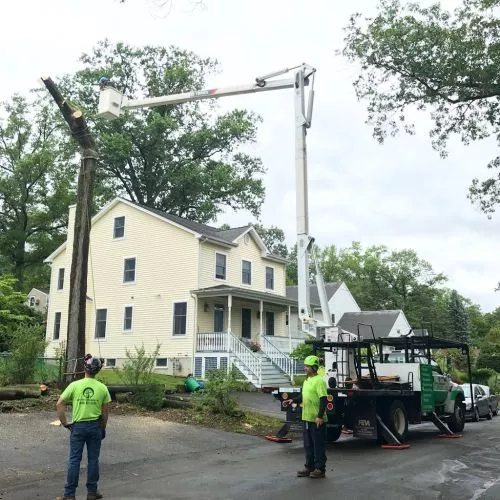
x,y
456,423
333,433
397,420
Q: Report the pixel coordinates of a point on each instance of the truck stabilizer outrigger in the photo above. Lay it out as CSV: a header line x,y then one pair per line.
x,y
377,399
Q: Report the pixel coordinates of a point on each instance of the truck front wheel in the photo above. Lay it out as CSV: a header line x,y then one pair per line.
x,y
457,420
397,420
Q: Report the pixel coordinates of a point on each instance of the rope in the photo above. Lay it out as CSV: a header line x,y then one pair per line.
x,y
93,285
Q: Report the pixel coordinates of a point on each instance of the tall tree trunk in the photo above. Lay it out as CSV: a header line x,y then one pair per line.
x,y
75,347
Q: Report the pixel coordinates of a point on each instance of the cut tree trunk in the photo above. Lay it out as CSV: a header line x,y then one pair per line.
x,y
10,394
75,344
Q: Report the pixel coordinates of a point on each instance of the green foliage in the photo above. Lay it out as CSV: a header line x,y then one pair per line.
x,y
149,396
217,396
482,376
301,352
138,368
458,318
429,58
184,159
274,239
35,187
490,358
27,344
382,279
13,310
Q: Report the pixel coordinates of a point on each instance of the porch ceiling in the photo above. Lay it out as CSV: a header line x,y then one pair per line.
x,y
243,293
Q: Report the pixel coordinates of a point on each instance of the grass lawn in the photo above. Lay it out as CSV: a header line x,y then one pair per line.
x,y
112,377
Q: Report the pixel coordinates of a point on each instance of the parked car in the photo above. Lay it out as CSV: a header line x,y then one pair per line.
x,y
493,398
482,405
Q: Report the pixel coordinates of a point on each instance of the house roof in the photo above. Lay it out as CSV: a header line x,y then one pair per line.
x,y
226,237
224,290
292,292
45,292
381,321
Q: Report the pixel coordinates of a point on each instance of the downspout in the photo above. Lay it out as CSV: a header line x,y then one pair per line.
x,y
195,333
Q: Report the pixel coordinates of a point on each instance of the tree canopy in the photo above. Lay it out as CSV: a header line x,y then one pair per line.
x,y
437,60
35,188
184,159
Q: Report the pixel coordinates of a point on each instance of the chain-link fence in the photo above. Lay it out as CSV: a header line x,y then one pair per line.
x,y
42,370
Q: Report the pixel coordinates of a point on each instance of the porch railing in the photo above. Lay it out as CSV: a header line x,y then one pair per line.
x,y
278,357
211,342
246,357
285,344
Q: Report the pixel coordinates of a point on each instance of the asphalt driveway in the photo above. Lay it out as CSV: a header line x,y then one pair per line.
x,y
145,458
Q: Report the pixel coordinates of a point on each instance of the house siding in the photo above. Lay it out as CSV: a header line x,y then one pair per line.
x,y
166,270
400,327
247,249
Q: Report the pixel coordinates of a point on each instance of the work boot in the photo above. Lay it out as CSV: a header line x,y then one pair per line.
x,y
304,473
317,474
94,496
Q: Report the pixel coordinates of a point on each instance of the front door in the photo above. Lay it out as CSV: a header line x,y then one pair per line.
x,y
246,323
218,318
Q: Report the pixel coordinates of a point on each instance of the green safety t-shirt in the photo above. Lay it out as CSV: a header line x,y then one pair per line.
x,y
313,389
87,397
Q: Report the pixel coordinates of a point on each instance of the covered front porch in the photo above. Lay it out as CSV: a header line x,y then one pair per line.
x,y
247,328
248,315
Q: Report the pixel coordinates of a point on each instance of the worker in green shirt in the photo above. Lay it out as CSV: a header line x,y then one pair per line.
x,y
314,400
89,399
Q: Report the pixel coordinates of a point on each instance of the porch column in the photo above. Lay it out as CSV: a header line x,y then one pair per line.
x,y
261,320
289,330
229,308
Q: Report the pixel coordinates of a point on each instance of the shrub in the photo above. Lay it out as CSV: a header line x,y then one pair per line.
x,y
217,396
301,352
27,345
138,368
149,397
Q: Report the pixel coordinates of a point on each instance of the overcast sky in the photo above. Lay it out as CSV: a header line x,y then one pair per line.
x,y
400,194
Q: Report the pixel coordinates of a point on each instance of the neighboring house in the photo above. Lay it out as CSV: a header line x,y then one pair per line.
x,y
384,323
203,294
340,301
38,300
421,332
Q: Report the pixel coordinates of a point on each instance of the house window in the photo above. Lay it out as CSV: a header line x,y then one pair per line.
x,y
161,362
111,362
246,272
32,301
119,227
100,323
57,326
180,314
60,279
269,323
218,318
129,270
127,318
220,266
270,278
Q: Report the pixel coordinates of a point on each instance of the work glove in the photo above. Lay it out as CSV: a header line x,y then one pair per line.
x,y
103,434
69,427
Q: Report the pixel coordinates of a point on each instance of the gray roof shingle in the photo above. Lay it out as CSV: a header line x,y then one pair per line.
x,y
381,321
292,292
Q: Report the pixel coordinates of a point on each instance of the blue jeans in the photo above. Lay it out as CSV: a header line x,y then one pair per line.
x,y
314,446
90,434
